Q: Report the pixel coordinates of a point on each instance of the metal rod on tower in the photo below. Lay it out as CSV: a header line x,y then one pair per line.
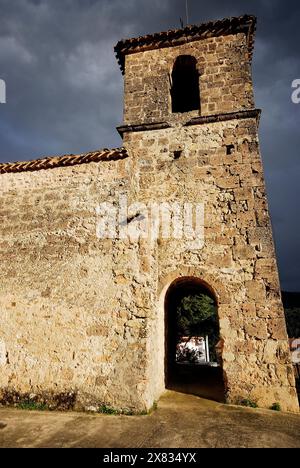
x,y
187,11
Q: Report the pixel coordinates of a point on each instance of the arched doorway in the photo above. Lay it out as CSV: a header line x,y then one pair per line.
x,y
193,348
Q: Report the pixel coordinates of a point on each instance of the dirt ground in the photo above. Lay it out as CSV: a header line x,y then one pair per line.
x,y
180,421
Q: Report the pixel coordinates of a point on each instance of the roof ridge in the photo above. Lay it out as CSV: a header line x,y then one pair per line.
x,y
52,162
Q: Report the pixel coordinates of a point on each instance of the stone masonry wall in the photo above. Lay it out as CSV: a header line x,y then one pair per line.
x,y
224,78
84,317
238,259
68,321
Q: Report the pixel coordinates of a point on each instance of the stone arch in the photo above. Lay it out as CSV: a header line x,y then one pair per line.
x,y
184,281
219,290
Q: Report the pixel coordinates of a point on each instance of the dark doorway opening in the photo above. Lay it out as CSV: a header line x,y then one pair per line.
x,y
185,91
193,362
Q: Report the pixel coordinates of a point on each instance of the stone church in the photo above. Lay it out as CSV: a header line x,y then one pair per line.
x,y
87,318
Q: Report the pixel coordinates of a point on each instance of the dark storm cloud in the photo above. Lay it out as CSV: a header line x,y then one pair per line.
x,y
64,88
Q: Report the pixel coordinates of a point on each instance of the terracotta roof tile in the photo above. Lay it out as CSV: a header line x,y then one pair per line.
x,y
246,24
63,161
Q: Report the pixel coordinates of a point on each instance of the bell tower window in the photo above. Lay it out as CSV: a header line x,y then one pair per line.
x,y
185,92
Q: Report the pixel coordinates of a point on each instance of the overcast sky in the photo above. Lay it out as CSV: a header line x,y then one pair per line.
x,y
65,90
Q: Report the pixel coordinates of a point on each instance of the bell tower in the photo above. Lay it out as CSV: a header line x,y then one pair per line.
x,y
191,130
212,61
